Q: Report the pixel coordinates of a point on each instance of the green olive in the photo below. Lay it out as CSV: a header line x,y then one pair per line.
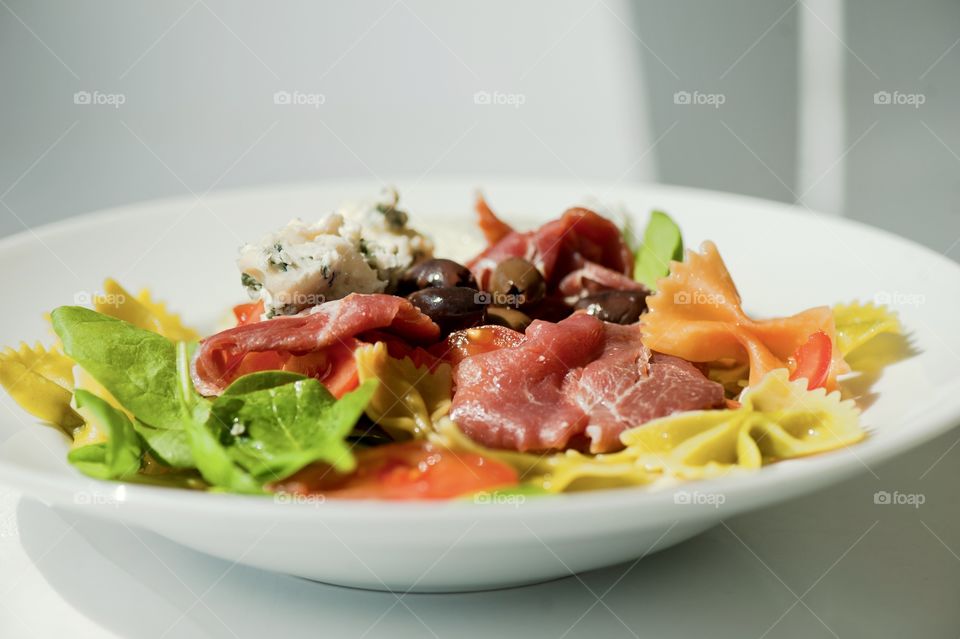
x,y
453,308
516,282
509,317
618,307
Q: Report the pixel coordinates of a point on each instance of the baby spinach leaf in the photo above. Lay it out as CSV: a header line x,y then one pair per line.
x,y
662,242
138,367
120,455
208,451
261,380
168,445
274,432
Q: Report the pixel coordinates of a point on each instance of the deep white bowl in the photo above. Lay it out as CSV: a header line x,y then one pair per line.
x,y
783,259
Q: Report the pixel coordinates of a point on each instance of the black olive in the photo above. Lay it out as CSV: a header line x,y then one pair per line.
x,y
435,273
453,308
618,307
516,282
511,318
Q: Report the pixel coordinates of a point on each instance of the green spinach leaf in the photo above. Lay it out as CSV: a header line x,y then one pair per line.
x,y
117,458
167,445
662,242
276,431
208,451
138,367
262,380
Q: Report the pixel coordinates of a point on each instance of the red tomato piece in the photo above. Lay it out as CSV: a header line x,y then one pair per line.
x,y
265,361
335,367
406,470
248,313
812,360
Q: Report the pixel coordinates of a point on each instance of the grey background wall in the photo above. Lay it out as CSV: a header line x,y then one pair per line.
x,y
398,81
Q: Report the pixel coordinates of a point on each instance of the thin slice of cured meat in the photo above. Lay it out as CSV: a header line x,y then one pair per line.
x,y
559,247
594,278
494,229
696,314
578,383
218,360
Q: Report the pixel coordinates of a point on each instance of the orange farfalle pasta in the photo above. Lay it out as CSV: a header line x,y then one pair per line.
x,y
696,315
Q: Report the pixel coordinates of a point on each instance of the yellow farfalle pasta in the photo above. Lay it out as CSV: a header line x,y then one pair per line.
x,y
554,472
859,323
40,380
409,398
142,311
778,419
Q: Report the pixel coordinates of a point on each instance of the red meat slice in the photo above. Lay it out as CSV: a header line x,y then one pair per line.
x,y
575,384
593,278
217,361
559,247
494,229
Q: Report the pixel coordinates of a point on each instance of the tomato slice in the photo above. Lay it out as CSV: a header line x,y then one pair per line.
x,y
406,470
812,360
474,341
264,361
335,367
248,313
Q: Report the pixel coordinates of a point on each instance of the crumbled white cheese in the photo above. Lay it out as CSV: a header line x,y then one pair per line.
x,y
359,249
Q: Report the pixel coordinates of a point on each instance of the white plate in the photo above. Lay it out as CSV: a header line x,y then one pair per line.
x,y
782,259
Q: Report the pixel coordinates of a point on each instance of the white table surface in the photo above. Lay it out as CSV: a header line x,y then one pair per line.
x,y
831,564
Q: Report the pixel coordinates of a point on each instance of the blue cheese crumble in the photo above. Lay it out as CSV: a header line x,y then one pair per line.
x,y
361,248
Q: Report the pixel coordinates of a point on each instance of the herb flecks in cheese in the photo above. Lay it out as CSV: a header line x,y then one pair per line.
x,y
359,249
